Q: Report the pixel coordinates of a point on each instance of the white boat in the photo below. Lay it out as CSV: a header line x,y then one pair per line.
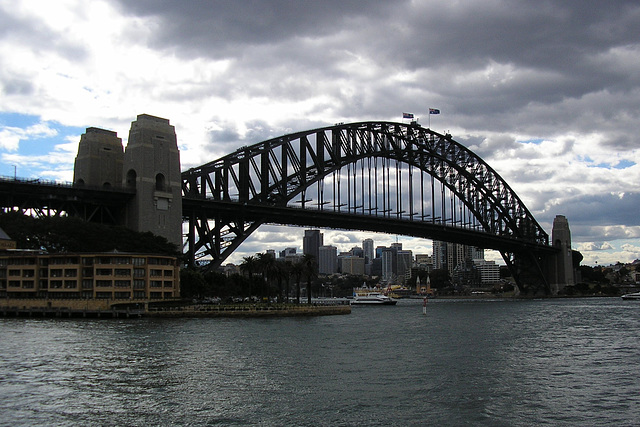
x,y
373,298
635,295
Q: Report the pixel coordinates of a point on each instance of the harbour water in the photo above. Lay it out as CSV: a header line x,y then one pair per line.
x,y
475,363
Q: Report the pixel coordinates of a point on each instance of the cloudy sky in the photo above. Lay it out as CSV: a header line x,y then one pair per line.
x,y
547,92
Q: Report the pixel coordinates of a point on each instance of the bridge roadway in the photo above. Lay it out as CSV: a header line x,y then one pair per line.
x,y
350,221
48,198
106,204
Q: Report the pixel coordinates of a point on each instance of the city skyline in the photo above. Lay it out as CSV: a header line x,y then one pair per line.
x,y
546,94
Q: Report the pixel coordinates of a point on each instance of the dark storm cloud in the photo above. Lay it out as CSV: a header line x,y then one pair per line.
x,y
491,65
222,27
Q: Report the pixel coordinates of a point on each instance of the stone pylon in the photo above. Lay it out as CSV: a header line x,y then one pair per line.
x,y
99,160
152,167
562,263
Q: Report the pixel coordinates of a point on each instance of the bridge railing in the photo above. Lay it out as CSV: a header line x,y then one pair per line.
x,y
64,184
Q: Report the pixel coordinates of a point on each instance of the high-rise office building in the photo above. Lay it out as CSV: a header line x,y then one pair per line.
x,y
311,243
404,262
327,259
367,247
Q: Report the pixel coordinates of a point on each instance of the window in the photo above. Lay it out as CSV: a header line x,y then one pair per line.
x,y
139,261
103,283
55,272
104,272
160,182
70,284
168,273
138,284
123,272
123,284
131,178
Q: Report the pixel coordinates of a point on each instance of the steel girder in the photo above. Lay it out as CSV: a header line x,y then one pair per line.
x,y
274,172
44,198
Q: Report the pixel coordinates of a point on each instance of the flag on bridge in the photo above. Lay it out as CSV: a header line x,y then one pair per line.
x,y
407,115
434,111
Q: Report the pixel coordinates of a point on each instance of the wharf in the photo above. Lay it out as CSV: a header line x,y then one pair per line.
x,y
41,308
250,310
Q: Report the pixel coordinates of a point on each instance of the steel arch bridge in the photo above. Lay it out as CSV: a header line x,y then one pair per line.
x,y
377,176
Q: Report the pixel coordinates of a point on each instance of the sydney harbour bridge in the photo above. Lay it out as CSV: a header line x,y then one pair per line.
x,y
372,176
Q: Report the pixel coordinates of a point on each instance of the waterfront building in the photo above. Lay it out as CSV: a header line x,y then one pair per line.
x,y
113,275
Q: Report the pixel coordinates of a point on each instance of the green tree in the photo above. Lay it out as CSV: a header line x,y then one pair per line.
x,y
310,269
249,266
192,283
297,270
70,234
266,266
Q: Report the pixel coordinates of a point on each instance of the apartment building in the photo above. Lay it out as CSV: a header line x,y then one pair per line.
x,y
34,274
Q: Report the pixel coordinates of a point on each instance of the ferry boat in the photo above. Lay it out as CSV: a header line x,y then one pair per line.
x,y
373,298
635,295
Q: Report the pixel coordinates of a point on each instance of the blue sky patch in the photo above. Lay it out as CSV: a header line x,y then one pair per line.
x,y
536,141
32,144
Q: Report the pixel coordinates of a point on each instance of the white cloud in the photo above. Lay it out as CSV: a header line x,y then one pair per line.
x,y
230,73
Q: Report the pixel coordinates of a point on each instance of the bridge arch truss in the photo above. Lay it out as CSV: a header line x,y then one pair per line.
x,y
378,176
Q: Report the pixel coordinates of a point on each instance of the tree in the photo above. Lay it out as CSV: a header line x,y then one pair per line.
x,y
192,283
249,266
266,266
310,269
297,269
70,234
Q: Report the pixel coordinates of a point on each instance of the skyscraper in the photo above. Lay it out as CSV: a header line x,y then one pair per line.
x,y
311,243
327,259
367,247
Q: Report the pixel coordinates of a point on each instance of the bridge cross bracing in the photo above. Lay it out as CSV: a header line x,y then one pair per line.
x,y
378,176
